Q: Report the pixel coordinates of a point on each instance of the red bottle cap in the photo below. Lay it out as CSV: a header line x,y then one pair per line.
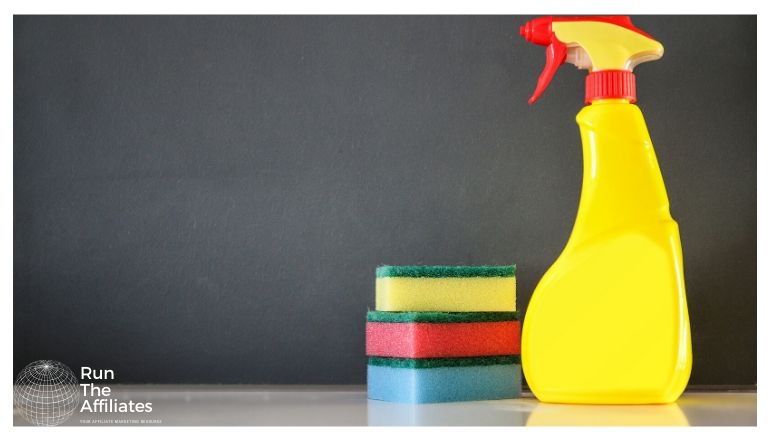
x,y
611,84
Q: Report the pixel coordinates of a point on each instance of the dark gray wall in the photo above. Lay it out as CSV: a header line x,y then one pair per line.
x,y
204,199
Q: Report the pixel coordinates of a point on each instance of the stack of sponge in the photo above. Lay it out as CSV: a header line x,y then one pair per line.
x,y
444,333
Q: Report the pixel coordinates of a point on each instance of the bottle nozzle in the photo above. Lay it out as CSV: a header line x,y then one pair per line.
x,y
537,31
594,43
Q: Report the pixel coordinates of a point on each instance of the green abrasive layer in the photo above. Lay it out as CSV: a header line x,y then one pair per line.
x,y
445,271
440,317
443,362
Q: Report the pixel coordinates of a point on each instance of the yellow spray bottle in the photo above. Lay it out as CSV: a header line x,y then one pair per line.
x,y
608,322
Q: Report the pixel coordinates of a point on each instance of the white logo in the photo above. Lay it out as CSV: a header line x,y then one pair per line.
x,y
46,393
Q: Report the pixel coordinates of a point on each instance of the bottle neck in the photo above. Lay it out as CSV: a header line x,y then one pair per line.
x,y
622,183
610,85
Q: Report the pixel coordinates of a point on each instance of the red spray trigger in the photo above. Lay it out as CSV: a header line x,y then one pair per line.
x,y
555,54
538,31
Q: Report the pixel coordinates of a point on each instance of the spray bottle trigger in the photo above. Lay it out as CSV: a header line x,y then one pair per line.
x,y
555,55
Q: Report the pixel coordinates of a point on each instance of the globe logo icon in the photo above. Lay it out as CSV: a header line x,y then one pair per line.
x,y
46,393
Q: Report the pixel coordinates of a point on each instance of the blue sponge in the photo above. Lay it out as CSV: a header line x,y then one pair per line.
x,y
444,384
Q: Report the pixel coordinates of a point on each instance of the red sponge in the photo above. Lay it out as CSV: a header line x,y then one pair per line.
x,y
429,340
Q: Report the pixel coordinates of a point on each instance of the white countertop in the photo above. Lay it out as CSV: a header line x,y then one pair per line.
x,y
253,405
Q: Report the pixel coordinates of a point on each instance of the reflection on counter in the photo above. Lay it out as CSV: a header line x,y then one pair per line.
x,y
552,414
692,409
481,413
521,412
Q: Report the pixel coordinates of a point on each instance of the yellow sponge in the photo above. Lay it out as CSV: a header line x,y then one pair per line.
x,y
446,288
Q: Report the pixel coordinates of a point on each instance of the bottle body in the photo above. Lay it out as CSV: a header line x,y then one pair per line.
x,y
608,322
